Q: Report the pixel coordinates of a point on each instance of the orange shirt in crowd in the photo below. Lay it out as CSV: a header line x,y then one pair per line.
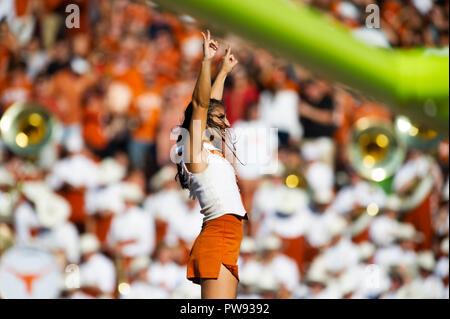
x,y
133,78
67,88
51,5
21,7
4,61
167,63
4,56
128,75
49,103
76,200
148,107
17,90
135,12
345,109
93,130
390,11
171,116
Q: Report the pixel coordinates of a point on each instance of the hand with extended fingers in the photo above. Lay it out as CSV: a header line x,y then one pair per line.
x,y
229,61
210,46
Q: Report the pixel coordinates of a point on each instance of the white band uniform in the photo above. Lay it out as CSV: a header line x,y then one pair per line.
x,y
216,187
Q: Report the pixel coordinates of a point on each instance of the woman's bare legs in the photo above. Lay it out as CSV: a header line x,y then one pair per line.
x,y
224,287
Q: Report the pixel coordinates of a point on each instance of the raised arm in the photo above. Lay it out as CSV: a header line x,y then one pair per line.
x,y
229,62
200,102
202,90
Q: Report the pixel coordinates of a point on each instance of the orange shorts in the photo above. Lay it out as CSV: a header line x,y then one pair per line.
x,y
218,243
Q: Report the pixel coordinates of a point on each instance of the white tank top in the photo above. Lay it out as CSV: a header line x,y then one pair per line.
x,y
216,187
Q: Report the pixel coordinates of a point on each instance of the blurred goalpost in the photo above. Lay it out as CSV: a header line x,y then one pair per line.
x,y
413,82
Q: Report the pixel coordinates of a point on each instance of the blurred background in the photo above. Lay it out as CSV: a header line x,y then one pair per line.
x,y
89,204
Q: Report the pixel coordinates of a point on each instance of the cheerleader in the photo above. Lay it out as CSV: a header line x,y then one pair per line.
x,y
210,177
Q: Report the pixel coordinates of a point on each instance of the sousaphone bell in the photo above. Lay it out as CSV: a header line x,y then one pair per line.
x,y
26,128
376,152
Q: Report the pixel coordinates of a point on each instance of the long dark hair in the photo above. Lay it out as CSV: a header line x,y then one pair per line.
x,y
213,104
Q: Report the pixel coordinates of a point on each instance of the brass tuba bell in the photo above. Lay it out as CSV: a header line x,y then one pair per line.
x,y
417,136
376,151
26,128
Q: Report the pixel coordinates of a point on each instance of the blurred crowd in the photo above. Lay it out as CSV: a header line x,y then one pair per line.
x,y
407,23
102,197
